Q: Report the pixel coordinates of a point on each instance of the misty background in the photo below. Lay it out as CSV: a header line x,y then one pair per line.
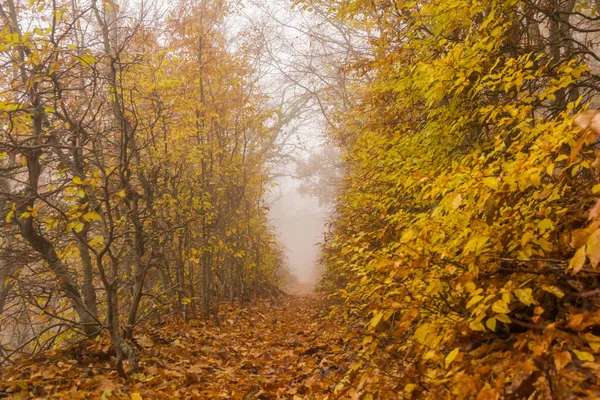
x,y
297,57
300,223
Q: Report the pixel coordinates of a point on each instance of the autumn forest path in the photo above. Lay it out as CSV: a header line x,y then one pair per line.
x,y
276,349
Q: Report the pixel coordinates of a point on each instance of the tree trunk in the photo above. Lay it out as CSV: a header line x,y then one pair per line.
x,y
122,348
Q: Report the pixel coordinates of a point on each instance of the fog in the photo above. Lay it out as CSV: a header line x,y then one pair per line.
x,y
292,45
300,222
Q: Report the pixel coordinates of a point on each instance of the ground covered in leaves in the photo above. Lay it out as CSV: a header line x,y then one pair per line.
x,y
292,348
276,349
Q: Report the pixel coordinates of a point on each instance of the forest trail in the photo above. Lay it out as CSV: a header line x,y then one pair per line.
x,y
276,349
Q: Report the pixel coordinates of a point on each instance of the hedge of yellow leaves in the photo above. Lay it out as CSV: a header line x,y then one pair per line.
x,y
467,235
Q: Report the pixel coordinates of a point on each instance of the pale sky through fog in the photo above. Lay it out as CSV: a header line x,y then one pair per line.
x,y
300,222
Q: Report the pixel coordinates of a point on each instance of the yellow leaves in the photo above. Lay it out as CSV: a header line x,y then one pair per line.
x,y
476,326
425,334
91,181
87,59
578,260
544,244
408,235
409,388
593,248
584,356
451,357
497,209
474,300
240,254
476,244
377,316
525,296
430,355
503,318
421,333
136,396
545,224
554,290
434,287
593,341
535,179
77,226
91,216
500,307
11,213
98,241
457,201
491,182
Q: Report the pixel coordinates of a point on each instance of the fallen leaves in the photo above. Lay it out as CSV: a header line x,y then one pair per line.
x,y
289,350
451,357
584,356
266,351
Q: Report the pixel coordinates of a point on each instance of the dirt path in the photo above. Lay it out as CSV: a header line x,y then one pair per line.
x,y
272,350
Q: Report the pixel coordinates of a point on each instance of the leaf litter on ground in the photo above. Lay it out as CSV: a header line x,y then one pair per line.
x,y
274,349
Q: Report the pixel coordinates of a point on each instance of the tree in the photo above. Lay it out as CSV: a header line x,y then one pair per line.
x,y
466,193
132,167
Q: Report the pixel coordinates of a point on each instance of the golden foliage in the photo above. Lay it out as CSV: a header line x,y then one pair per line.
x,y
461,236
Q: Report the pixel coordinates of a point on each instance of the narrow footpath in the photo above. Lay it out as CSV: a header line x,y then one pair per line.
x,y
276,349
